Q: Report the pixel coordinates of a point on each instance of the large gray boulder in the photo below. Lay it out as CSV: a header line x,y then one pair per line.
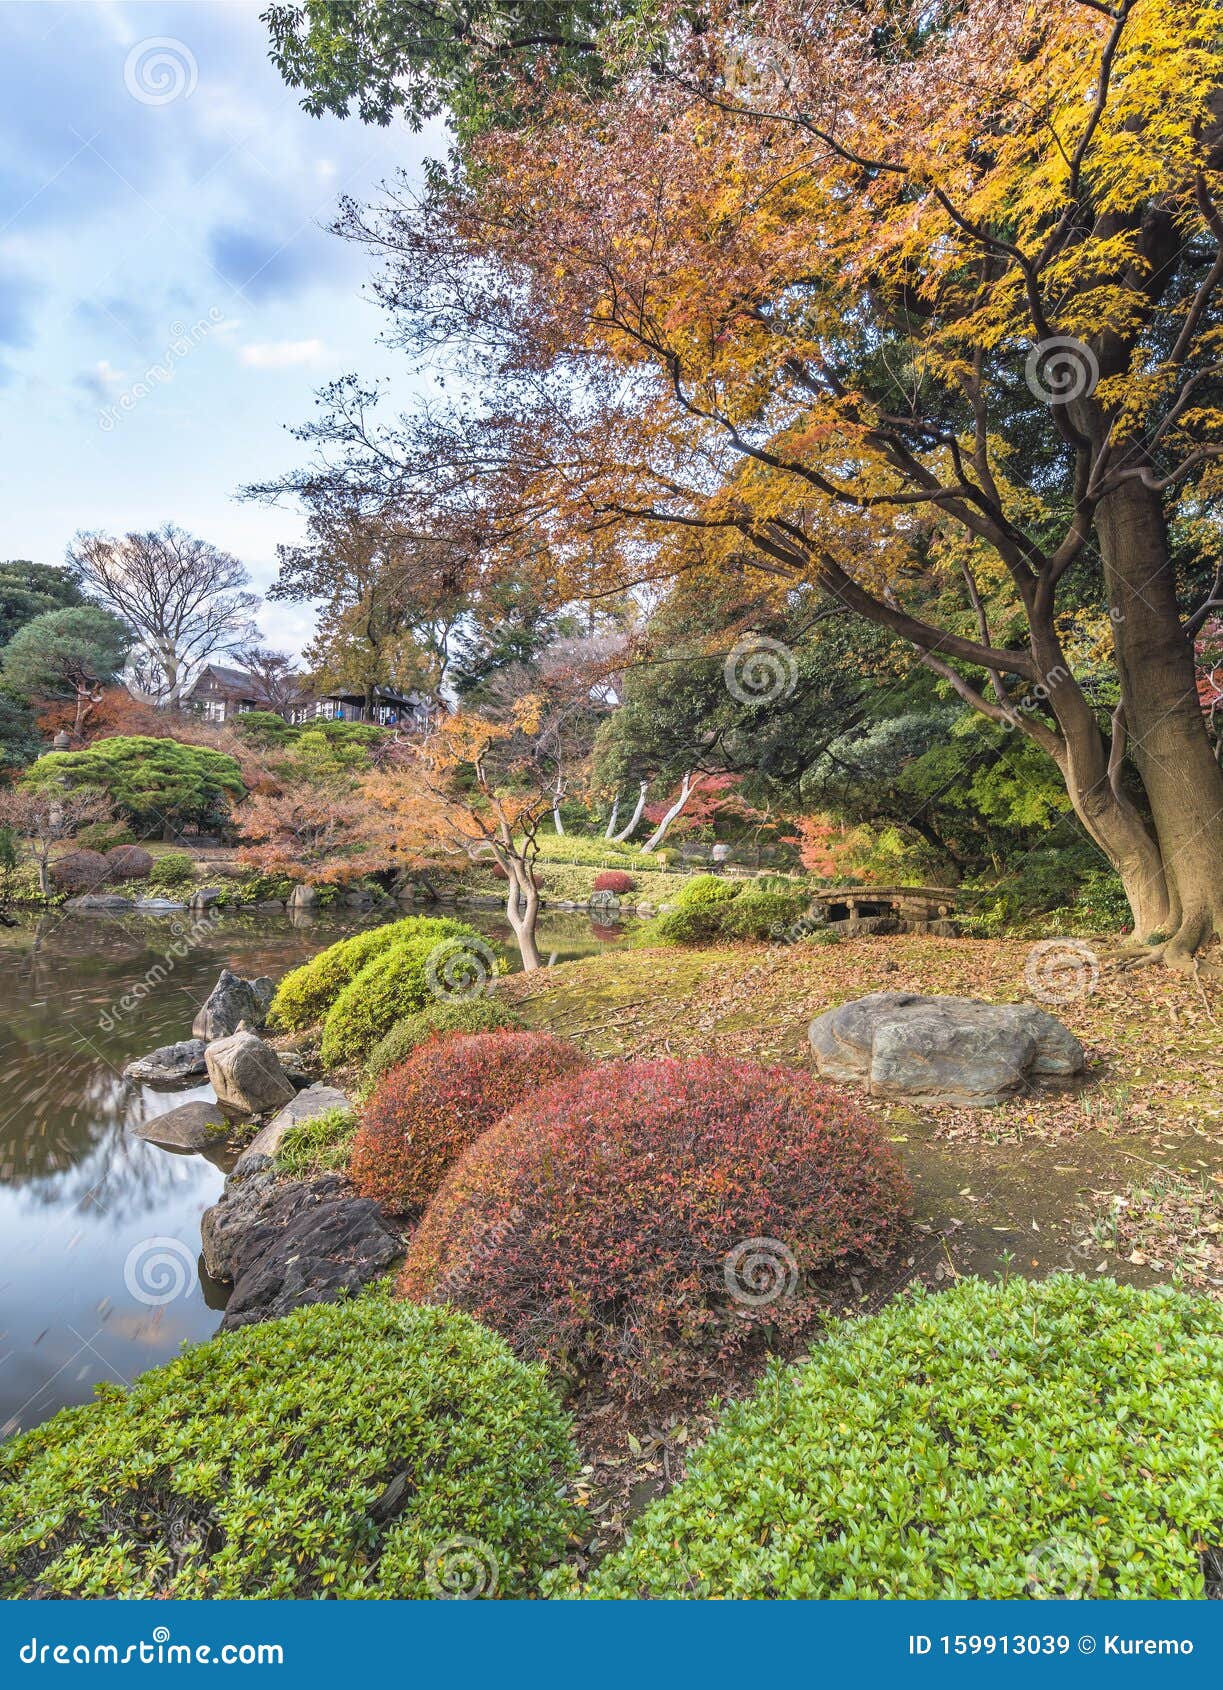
x,y
943,1049
306,1106
169,1065
192,1126
292,1242
232,1001
247,1075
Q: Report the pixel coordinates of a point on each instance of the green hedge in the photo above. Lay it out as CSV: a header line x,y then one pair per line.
x,y
991,1441
710,909
338,1452
463,1015
306,994
396,982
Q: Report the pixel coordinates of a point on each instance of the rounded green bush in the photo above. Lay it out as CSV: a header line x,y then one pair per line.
x,y
705,889
306,994
991,1441
393,984
349,1450
462,1015
175,868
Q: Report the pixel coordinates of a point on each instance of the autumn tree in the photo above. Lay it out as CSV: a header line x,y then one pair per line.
x,y
276,675
47,816
476,789
923,312
184,597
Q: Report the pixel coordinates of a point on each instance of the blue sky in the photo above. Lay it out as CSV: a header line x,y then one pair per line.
x,y
170,298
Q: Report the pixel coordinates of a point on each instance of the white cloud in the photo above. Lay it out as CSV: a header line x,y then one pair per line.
x,y
281,354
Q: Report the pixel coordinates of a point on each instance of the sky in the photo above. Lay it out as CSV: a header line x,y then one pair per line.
x,y
170,296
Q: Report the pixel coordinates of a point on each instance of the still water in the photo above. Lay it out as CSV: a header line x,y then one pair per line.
x,y
99,1231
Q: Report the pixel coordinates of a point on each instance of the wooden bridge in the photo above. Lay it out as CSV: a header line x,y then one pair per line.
x,y
889,909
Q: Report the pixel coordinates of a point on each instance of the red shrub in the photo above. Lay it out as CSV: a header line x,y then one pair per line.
x,y
646,1219
128,862
424,1113
80,871
614,880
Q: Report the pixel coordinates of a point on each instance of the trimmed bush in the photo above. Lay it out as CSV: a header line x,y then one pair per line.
x,y
425,1113
704,889
397,981
460,1015
176,868
80,871
626,1204
104,836
760,915
129,862
614,880
990,1441
338,1452
306,994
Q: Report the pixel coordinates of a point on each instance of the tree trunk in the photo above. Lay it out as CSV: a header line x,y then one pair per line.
x,y
611,820
660,832
522,911
1168,738
625,832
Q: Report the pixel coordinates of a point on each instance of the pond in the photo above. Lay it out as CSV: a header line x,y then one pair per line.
x,y
99,1231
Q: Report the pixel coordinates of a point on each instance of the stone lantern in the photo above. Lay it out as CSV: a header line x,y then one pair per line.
x,y
62,741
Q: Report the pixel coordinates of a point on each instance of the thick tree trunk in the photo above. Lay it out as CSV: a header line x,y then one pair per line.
x,y
660,832
522,911
1168,738
626,833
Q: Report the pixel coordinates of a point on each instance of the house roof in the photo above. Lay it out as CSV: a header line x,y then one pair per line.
x,y
236,680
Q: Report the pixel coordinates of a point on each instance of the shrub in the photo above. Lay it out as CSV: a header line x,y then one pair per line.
x,y
760,915
80,871
150,781
129,862
307,993
176,868
462,1015
619,1197
104,836
614,880
322,1455
992,1441
317,1145
426,1112
392,984
705,889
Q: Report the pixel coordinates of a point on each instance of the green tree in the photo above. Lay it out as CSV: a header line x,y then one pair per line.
x,y
69,653
29,589
155,784
19,741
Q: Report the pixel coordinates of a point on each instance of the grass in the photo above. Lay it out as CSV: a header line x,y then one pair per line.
x,y
317,1146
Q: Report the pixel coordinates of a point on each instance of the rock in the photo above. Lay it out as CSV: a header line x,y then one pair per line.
x,y
303,897
100,901
942,1049
192,1126
246,1074
232,1001
169,1065
358,900
645,909
306,1106
294,1242
204,897
157,906
269,906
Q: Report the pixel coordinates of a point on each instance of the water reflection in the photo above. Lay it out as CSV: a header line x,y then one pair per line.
x,y
80,1196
